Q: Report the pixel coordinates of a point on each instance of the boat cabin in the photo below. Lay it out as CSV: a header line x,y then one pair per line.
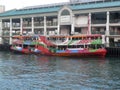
x,y
78,41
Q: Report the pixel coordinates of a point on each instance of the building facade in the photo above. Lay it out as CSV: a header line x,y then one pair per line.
x,y
96,17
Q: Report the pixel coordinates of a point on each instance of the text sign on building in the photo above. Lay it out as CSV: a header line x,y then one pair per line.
x,y
65,19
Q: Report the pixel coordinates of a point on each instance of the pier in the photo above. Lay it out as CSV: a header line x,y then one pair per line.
x,y
5,47
113,51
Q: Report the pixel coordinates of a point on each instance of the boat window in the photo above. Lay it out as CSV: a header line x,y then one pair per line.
x,y
80,46
98,46
72,38
48,38
60,39
84,38
34,38
92,38
79,38
96,38
99,37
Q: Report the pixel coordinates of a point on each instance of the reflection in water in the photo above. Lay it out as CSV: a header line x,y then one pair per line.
x,y
31,72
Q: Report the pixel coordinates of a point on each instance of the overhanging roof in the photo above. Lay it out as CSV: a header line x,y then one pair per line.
x,y
29,11
77,6
97,5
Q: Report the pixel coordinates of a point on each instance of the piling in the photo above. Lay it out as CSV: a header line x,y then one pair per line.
x,y
113,51
5,47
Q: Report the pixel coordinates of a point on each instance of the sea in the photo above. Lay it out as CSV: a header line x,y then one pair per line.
x,y
38,72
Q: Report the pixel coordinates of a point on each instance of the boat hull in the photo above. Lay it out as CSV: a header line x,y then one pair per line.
x,y
97,53
24,51
80,46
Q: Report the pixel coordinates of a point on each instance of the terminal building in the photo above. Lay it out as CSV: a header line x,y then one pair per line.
x,y
68,18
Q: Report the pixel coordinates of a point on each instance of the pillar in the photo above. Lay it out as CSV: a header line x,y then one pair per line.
x,y
58,29
21,26
1,32
73,25
89,23
45,28
33,25
107,29
10,42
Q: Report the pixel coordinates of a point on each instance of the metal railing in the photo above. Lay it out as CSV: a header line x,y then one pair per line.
x,y
98,21
115,21
114,33
52,24
103,33
39,24
27,25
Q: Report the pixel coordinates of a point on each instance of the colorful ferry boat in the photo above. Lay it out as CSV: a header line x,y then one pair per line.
x,y
26,44
75,45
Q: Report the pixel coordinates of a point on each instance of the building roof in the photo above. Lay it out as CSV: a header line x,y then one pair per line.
x,y
96,5
57,7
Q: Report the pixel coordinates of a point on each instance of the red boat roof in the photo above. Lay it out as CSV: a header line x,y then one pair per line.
x,y
75,36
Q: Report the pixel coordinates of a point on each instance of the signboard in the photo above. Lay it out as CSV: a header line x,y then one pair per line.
x,y
65,19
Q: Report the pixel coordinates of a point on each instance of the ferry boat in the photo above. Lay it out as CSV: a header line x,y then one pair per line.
x,y
26,44
75,45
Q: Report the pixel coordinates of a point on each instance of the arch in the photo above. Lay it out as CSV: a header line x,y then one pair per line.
x,y
65,12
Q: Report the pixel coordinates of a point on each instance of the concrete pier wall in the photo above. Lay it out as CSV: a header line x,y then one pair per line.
x,y
113,51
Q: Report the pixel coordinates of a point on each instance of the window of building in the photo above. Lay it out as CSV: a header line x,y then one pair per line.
x,y
65,12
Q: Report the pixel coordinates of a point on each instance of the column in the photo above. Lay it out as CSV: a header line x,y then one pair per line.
x,y
21,26
0,31
45,28
10,42
33,25
58,27
89,23
107,29
73,28
115,32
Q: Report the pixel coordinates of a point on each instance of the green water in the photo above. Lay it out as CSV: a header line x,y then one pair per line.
x,y
31,72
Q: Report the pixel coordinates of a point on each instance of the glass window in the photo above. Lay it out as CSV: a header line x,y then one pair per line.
x,y
65,12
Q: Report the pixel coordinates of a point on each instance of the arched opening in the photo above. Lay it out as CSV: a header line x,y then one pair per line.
x,y
65,12
65,22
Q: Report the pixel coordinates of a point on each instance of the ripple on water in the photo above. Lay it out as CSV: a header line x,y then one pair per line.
x,y
31,72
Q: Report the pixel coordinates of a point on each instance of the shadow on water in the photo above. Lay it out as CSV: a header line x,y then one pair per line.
x,y
35,72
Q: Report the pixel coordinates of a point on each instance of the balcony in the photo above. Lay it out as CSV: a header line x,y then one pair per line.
x,y
16,33
115,21
98,22
114,33
16,26
6,34
93,32
51,23
27,25
5,27
38,24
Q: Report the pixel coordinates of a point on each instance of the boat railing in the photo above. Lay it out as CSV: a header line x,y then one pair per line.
x,y
75,48
58,41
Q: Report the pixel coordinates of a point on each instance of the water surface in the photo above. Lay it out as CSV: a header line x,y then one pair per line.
x,y
31,72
